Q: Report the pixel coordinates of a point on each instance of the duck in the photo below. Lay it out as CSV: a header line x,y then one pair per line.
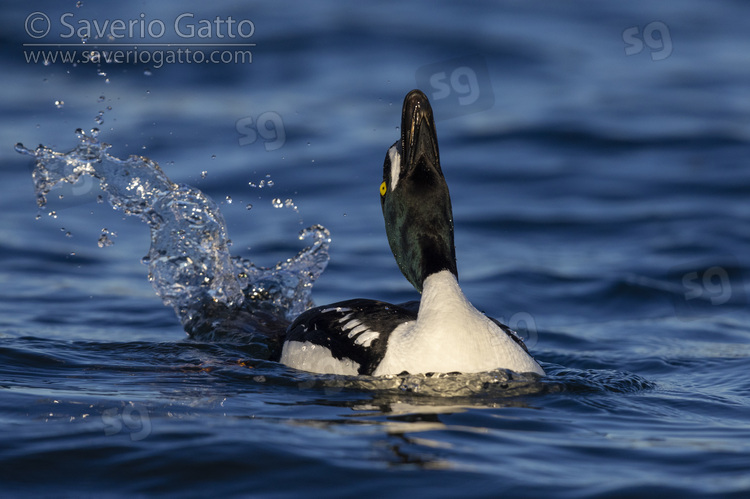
x,y
440,333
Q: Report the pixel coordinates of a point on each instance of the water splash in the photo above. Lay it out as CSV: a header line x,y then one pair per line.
x,y
190,267
105,238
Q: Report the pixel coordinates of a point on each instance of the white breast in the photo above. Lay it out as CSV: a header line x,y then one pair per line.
x,y
450,335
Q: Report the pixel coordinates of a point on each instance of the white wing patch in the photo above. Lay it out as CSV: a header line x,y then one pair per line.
x,y
359,329
395,157
313,358
335,309
362,334
366,339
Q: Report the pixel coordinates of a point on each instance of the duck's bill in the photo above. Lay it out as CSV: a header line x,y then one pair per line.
x,y
418,137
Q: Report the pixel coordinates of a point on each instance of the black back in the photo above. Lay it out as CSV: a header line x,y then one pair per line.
x,y
327,326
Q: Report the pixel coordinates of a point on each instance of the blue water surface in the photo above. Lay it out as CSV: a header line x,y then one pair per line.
x,y
597,157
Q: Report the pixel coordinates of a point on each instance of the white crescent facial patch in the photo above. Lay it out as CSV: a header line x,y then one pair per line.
x,y
395,158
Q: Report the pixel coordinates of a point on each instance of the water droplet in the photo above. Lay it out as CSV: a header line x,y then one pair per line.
x,y
249,206
53,214
276,203
213,156
79,3
147,72
101,98
99,118
252,184
60,196
38,216
229,199
59,103
261,184
94,132
204,174
270,183
104,240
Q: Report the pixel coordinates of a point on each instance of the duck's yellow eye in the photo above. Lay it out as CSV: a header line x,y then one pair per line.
x,y
383,188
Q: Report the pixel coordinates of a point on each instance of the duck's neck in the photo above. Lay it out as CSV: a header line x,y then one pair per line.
x,y
421,237
443,302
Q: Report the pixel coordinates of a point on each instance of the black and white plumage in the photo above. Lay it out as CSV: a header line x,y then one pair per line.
x,y
441,333
348,337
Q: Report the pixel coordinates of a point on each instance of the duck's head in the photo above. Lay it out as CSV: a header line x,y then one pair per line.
x,y
415,199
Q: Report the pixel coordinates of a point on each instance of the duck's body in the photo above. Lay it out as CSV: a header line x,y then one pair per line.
x,y
444,332
450,335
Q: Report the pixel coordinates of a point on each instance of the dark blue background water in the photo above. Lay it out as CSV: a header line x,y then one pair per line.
x,y
599,172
